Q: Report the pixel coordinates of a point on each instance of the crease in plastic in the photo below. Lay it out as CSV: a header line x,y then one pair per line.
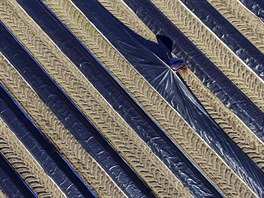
x,y
172,88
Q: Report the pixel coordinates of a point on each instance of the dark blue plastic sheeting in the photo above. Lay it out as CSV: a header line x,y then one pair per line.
x,y
255,6
42,150
173,90
242,47
205,70
161,145
72,118
11,183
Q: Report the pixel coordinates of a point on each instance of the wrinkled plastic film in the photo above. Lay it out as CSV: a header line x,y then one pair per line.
x,y
256,7
42,150
203,68
173,89
69,115
124,105
243,48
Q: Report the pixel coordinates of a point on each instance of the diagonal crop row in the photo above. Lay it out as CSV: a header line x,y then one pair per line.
x,y
214,49
222,115
113,127
68,146
150,100
121,11
232,126
25,164
247,23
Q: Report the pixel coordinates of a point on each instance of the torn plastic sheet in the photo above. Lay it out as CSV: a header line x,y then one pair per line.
x,y
173,89
225,31
71,117
160,144
255,6
11,183
42,150
201,66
